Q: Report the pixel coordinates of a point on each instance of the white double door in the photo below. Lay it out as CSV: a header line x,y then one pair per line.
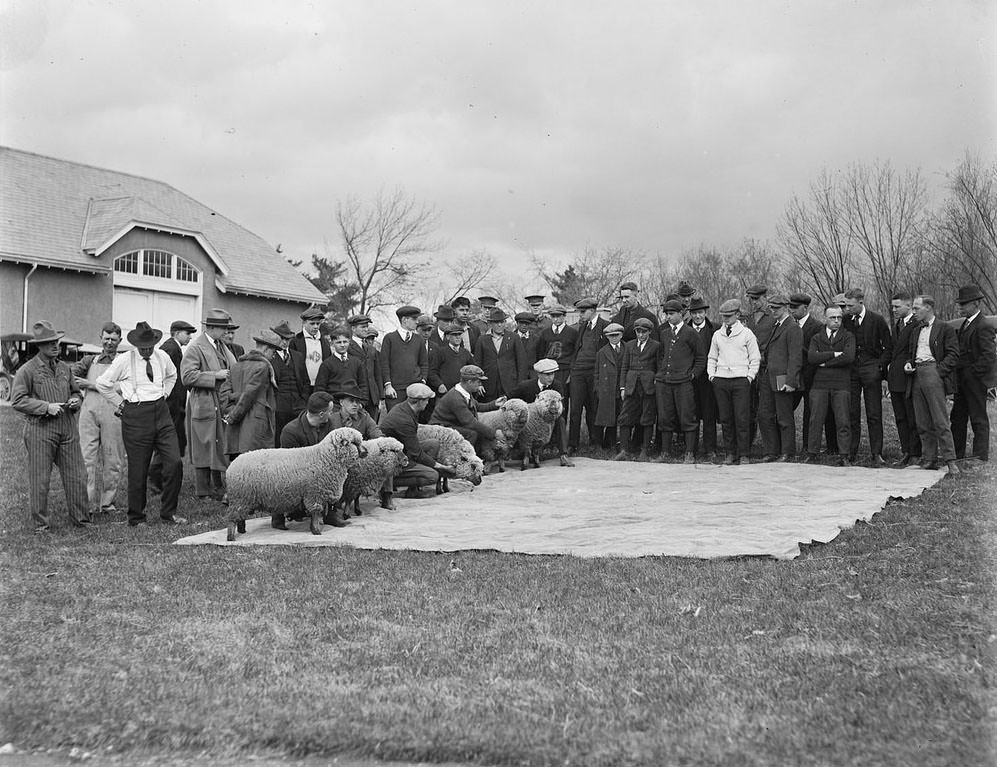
x,y
159,309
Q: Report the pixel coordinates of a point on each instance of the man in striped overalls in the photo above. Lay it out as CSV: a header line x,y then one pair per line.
x,y
46,393
100,430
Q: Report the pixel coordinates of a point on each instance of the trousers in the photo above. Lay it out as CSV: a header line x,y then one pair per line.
x,y
836,401
931,413
734,413
55,441
776,420
970,405
103,450
147,427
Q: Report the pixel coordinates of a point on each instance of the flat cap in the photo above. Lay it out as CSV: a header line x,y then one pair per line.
x,y
419,391
318,402
473,372
357,319
487,300
181,325
545,366
536,298
643,322
424,321
756,290
778,299
453,328
586,303
799,299
312,313
557,309
730,305
671,306
629,286
269,338
698,303
525,317
408,311
613,327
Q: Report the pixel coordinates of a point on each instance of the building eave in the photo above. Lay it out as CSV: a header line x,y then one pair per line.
x,y
216,259
18,258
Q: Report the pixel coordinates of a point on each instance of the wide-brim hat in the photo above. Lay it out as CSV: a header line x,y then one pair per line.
x,y
312,313
283,330
231,326
473,371
353,392
698,303
270,338
497,315
44,333
178,325
217,318
144,335
969,293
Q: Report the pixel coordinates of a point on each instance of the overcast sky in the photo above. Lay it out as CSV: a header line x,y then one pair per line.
x,y
533,127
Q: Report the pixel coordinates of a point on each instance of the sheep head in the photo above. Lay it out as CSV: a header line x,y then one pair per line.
x,y
347,440
517,412
550,405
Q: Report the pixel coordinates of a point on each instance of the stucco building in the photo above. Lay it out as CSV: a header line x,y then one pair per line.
x,y
80,245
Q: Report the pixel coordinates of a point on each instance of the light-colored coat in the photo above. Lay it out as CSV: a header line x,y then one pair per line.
x,y
207,401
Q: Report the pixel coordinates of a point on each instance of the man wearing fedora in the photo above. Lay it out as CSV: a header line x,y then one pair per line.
x,y
100,430
205,369
46,393
310,342
976,371
501,356
291,376
706,402
137,384
252,419
444,316
404,359
581,384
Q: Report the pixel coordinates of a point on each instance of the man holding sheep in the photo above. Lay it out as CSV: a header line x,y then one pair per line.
x,y
402,423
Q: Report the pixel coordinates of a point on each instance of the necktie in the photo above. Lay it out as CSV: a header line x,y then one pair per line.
x,y
831,337
148,367
962,327
727,328
222,357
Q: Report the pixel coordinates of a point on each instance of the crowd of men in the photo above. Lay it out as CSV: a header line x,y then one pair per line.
x,y
643,385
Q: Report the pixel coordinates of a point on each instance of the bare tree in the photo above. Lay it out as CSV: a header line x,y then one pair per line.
x,y
593,274
383,241
455,278
964,233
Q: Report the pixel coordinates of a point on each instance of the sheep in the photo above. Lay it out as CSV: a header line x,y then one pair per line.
x,y
543,414
454,451
510,419
385,457
287,480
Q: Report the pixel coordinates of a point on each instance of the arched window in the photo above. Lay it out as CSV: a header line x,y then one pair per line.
x,y
158,264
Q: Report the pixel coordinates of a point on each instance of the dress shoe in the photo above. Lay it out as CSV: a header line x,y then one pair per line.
x,y
745,461
769,458
929,465
904,460
278,522
566,461
953,468
689,458
878,461
174,520
335,519
808,458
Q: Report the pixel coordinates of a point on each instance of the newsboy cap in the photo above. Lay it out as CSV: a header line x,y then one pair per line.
x,y
312,313
586,303
778,300
557,309
545,366
472,372
357,319
730,305
671,306
424,321
613,327
629,286
269,338
177,325
419,391
408,311
643,322
799,299
756,290
525,317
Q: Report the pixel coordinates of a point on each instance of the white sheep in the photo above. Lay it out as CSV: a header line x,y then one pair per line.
x,y
385,457
287,481
543,414
454,451
510,419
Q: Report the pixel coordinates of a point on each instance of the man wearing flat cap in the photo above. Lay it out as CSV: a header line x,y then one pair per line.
x,y
362,348
137,384
205,369
608,366
446,361
529,337
732,364
638,369
779,382
976,371
544,377
706,401
758,319
404,359
558,343
581,381
682,357
311,343
251,421
402,423
501,356
459,409
630,309
47,395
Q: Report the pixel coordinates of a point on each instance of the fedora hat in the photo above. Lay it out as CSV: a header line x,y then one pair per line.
x,y
144,335
352,392
969,293
270,338
44,333
217,318
283,330
497,315
697,304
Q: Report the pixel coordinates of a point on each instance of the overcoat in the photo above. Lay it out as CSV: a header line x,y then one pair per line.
x,y
207,401
608,366
785,354
252,418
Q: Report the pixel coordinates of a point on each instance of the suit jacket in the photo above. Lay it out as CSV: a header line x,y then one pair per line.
x,y
836,372
944,345
810,328
608,366
785,354
445,365
681,357
626,317
897,380
528,390
559,347
453,410
207,401
976,349
762,328
531,345
873,340
237,349
300,433
252,417
505,368
292,382
372,369
639,366
590,340
177,401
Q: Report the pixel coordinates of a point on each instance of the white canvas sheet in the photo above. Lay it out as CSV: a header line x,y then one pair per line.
x,y
609,509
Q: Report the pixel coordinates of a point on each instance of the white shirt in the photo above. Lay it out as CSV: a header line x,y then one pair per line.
x,y
128,372
803,321
923,352
313,355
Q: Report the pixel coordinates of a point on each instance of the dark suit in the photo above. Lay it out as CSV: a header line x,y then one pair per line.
x,y
873,350
177,400
581,387
975,371
831,386
681,358
932,382
531,345
637,372
372,369
292,388
559,347
898,383
504,367
706,401
444,367
761,324
626,317
775,408
462,415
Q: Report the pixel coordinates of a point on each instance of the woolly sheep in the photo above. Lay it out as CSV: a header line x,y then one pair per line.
x,y
543,413
385,457
510,418
285,480
454,451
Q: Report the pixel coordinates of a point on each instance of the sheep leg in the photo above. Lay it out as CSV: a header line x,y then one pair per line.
x,y
315,510
230,534
278,522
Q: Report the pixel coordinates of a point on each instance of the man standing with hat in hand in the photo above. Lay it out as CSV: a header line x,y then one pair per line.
x,y
137,385
404,359
976,371
681,359
501,356
251,421
581,384
630,309
204,370
311,343
776,387
46,393
706,402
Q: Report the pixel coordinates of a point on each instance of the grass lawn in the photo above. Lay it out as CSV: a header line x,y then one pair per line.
x,y
875,649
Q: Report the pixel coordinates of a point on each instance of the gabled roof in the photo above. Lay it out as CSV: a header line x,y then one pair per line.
x,y
64,214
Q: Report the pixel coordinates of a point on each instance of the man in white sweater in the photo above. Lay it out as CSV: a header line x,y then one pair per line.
x,y
732,365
